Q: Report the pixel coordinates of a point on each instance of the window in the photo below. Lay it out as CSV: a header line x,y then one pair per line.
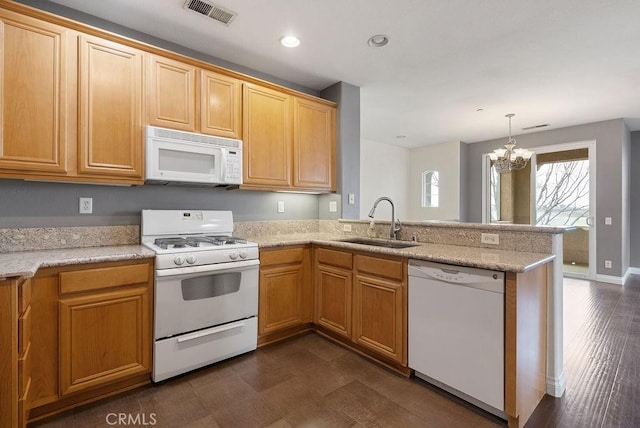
x,y
430,188
495,194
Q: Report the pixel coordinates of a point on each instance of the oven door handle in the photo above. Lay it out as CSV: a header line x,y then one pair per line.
x,y
210,331
231,266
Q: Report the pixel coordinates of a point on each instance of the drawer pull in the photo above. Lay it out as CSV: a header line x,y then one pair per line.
x,y
211,331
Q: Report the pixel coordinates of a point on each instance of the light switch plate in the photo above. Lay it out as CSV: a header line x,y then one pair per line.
x,y
280,206
333,206
607,221
352,198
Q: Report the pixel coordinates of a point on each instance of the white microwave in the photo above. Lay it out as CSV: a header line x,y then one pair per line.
x,y
186,157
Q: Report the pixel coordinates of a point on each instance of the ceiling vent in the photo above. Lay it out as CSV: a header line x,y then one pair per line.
x,y
210,10
544,125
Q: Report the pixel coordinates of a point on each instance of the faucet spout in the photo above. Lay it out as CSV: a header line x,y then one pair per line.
x,y
395,224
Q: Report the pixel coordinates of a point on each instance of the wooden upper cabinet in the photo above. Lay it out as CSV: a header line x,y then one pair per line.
x,y
220,105
171,93
110,109
33,94
314,145
267,137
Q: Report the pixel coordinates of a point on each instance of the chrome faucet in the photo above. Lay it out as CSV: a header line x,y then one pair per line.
x,y
395,223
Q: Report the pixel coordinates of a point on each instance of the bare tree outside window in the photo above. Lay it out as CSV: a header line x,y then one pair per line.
x,y
562,193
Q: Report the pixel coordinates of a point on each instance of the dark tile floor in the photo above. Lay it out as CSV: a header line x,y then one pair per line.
x,y
312,382
308,381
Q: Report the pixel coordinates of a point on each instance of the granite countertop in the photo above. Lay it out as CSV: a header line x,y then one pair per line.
x,y
27,263
485,258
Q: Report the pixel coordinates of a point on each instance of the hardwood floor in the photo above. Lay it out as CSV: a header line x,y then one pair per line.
x,y
602,358
310,381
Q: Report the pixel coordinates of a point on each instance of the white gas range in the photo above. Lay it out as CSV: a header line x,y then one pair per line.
x,y
206,289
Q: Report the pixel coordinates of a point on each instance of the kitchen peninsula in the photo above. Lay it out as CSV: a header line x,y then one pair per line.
x,y
305,262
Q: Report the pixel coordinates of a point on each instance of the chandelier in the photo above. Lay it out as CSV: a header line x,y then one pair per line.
x,y
510,159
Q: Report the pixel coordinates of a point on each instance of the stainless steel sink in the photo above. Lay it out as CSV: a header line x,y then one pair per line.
x,y
379,242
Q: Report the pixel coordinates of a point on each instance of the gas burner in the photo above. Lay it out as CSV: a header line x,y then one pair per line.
x,y
221,240
175,242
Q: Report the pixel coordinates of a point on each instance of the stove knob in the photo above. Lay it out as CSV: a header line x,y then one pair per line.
x,y
179,260
191,259
233,256
243,254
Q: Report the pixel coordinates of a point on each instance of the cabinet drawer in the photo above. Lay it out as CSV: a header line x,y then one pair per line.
x,y
24,370
93,279
281,256
334,258
380,267
24,295
24,331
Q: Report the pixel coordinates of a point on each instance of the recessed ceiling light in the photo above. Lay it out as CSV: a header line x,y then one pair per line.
x,y
290,41
378,41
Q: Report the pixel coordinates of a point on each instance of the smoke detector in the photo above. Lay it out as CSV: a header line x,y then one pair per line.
x,y
210,10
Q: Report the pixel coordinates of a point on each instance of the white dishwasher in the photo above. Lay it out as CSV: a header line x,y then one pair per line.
x,y
456,331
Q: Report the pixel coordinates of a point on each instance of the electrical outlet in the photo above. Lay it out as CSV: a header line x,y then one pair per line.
x,y
280,206
333,206
490,238
346,227
85,205
607,264
607,221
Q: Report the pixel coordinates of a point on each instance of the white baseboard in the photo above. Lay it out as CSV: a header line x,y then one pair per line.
x,y
610,279
556,387
620,280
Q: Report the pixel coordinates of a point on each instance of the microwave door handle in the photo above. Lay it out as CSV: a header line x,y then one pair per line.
x,y
223,164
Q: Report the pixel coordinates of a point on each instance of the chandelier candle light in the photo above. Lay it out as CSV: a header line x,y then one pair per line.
x,y
510,159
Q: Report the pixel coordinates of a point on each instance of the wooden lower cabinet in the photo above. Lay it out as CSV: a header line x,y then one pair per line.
x,y
285,298
333,294
378,316
94,333
363,298
15,351
334,290
103,337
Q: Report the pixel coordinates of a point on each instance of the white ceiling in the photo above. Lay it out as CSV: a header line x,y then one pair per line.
x,y
562,62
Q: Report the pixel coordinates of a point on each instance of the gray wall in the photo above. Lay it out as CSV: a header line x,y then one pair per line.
x,y
348,143
609,136
635,200
39,204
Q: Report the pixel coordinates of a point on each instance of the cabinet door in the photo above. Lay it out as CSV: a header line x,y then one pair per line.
x,y
110,94
104,337
280,298
220,105
333,299
378,313
33,94
313,145
267,137
171,94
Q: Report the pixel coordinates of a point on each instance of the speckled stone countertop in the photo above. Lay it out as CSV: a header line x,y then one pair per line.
x,y
27,263
501,260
